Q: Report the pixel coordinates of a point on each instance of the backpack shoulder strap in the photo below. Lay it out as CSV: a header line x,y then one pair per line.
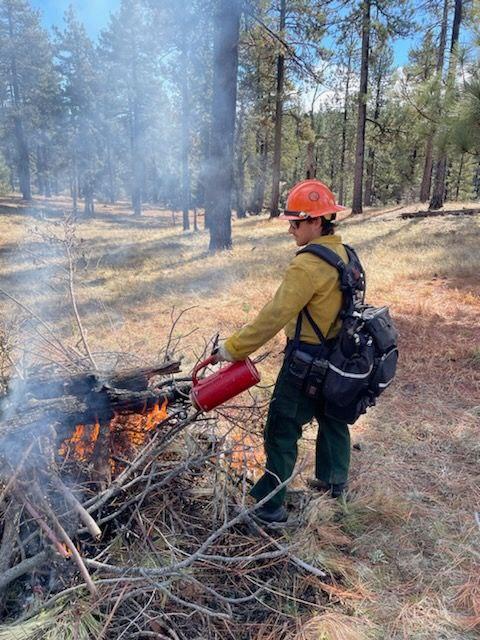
x,y
330,256
333,259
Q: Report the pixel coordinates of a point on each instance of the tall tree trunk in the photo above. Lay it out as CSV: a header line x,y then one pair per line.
x,y
240,173
40,171
185,133
476,181
459,177
135,138
438,195
370,166
311,160
311,166
88,190
137,164
225,68
47,175
371,149
277,148
341,188
23,155
111,191
74,187
203,174
426,183
362,110
258,193
43,165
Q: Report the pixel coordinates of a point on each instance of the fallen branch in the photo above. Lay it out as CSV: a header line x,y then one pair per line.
x,y
85,517
70,545
20,569
443,212
44,527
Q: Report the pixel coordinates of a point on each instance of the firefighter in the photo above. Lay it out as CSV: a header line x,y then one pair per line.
x,y
311,282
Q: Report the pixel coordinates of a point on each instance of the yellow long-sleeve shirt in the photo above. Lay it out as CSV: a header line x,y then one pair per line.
x,y
309,281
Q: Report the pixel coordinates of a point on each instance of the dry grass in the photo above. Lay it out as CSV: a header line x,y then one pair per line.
x,y
403,553
334,626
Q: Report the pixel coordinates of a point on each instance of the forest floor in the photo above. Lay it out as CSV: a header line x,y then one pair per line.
x,y
403,551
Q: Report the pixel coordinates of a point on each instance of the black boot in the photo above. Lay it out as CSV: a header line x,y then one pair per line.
x,y
338,490
271,516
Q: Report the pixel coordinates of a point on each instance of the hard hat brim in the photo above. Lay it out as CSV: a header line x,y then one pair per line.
x,y
302,215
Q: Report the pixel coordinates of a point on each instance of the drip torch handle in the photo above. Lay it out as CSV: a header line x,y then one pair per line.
x,y
201,365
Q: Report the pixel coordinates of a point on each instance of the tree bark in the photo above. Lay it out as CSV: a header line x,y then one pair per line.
x,y
89,207
341,188
277,148
185,132
225,67
137,159
459,177
362,110
240,174
258,193
74,187
426,183
438,196
23,155
371,150
110,172
476,181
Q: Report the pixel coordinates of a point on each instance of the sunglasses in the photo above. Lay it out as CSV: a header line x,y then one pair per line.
x,y
296,223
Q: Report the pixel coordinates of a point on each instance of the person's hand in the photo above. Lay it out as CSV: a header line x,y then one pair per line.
x,y
221,354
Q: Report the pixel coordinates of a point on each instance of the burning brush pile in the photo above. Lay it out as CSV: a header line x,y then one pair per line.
x,y
124,515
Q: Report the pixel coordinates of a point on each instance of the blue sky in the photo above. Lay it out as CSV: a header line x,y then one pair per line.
x,y
95,13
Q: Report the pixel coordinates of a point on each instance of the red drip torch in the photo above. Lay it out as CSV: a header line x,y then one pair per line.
x,y
227,382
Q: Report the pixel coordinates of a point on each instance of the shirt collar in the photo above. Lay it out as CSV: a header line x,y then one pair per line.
x,y
335,239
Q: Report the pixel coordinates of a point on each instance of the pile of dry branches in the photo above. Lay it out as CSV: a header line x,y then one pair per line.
x,y
164,546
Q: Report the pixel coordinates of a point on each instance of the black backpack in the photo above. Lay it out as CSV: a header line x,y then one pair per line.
x,y
362,359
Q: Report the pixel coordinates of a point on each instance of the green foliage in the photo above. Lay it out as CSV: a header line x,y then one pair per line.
x,y
464,124
110,120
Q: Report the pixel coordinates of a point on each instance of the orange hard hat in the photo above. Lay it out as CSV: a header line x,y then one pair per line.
x,y
310,199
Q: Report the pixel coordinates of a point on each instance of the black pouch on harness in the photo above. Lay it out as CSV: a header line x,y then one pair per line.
x,y
315,378
348,376
299,364
307,372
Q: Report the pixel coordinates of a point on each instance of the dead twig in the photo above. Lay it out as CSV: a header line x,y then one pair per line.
x,y
73,300
20,569
174,324
298,561
44,527
70,545
56,344
85,517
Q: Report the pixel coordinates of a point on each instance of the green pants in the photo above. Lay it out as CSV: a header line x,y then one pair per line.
x,y
289,410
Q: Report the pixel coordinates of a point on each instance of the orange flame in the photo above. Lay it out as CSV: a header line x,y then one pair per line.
x,y
246,453
126,432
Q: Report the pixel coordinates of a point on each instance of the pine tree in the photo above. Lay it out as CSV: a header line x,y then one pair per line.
x,y
25,56
77,66
129,55
225,68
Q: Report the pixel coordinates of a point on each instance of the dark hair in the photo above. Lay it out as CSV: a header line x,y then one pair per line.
x,y
328,226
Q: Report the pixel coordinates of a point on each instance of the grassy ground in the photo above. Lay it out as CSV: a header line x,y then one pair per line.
x,y
403,552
